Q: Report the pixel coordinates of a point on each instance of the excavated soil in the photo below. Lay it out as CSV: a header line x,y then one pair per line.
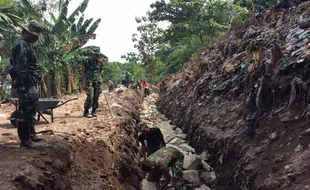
x,y
78,153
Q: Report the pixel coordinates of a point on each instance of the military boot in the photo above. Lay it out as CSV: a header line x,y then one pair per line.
x,y
93,113
23,130
33,134
86,114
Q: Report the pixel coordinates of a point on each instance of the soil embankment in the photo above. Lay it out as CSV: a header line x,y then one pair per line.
x,y
78,153
258,72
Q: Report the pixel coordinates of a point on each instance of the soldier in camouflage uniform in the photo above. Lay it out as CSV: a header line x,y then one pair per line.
x,y
160,162
26,76
154,138
92,75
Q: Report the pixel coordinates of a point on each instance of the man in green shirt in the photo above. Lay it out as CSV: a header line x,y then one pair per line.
x,y
26,76
91,76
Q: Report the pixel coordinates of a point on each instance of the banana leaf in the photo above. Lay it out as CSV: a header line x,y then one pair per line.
x,y
73,28
61,3
6,3
53,17
26,4
94,26
61,24
78,10
84,27
80,22
78,42
7,16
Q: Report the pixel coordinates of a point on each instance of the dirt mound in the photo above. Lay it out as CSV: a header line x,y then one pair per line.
x,y
79,153
245,100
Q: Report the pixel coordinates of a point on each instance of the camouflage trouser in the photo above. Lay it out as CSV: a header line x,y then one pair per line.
x,y
26,107
177,171
93,91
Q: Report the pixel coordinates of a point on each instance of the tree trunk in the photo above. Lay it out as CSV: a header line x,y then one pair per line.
x,y
54,83
201,38
59,79
47,80
44,91
80,80
68,80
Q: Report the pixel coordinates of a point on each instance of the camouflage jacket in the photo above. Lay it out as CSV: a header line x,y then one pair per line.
x,y
164,157
24,62
93,71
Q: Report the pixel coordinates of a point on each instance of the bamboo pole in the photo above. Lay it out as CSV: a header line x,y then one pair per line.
x,y
108,104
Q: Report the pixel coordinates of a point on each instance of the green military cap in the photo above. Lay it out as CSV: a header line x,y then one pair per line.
x,y
33,27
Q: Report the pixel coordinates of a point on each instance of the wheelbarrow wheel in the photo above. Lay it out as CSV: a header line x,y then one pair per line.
x,y
13,118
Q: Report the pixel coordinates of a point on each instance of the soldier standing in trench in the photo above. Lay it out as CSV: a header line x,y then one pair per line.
x,y
26,76
154,138
91,76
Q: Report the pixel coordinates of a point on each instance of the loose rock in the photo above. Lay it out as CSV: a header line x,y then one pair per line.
x,y
187,148
146,185
206,166
176,141
203,187
169,137
178,131
306,132
182,136
298,148
191,176
273,136
173,127
209,178
191,162
288,168
204,156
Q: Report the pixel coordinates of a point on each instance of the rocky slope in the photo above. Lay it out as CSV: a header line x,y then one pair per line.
x,y
245,99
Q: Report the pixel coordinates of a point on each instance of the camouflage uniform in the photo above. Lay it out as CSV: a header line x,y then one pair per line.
x,y
27,76
93,83
164,159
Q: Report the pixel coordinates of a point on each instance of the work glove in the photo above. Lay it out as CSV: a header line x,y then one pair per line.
x,y
33,93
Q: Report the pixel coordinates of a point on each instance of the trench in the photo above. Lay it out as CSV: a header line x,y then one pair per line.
x,y
78,154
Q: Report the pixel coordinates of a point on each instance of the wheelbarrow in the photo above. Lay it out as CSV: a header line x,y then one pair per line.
x,y
45,106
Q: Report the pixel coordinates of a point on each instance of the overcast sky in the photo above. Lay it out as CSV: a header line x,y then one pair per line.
x,y
117,23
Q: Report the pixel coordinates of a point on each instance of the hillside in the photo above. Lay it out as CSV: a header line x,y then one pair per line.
x,y
245,100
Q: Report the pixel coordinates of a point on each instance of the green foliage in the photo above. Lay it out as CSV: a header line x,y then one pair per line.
x,y
112,71
70,31
259,5
195,18
191,24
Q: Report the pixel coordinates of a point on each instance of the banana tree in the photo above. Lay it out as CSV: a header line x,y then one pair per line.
x,y
8,31
64,36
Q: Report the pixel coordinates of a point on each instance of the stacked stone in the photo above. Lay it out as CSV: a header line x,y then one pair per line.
x,y
198,174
